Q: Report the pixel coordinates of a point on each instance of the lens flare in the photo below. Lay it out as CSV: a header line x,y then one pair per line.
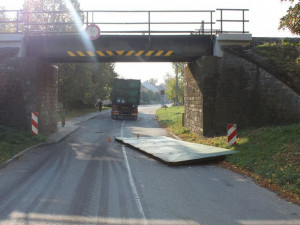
x,y
79,26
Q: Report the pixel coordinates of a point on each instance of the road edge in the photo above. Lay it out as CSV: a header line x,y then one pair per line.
x,y
36,146
47,143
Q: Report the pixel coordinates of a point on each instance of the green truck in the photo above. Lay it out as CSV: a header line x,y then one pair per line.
x,y
125,98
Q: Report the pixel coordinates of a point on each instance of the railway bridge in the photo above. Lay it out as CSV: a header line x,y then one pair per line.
x,y
32,42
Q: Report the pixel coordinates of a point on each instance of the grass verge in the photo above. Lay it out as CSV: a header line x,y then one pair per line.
x,y
271,155
283,55
13,141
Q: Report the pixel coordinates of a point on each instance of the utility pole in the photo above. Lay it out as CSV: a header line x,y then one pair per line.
x,y
182,76
176,98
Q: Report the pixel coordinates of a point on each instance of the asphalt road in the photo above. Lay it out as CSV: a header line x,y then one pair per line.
x,y
85,179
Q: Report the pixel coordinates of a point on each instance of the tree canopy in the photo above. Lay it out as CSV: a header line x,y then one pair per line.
x,y
46,14
148,96
81,84
291,20
5,27
170,82
153,81
46,5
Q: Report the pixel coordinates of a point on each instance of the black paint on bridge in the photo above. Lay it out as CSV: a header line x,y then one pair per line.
x,y
120,48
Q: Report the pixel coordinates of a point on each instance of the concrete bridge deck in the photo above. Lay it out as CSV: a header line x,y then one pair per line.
x,y
119,48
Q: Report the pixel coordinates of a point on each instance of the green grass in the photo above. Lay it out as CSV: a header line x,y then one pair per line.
x,y
13,141
171,116
272,153
283,55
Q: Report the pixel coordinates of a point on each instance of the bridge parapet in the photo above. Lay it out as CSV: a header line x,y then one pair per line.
x,y
183,22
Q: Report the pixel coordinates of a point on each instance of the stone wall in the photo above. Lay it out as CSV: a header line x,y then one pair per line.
x,y
230,89
199,97
28,85
47,91
193,101
12,107
275,102
235,94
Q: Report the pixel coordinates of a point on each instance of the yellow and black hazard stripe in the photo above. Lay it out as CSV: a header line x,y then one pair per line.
x,y
106,53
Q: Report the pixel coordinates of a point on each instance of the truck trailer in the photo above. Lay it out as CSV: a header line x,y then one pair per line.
x,y
125,98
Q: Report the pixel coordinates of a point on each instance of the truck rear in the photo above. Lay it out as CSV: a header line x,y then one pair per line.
x,y
125,98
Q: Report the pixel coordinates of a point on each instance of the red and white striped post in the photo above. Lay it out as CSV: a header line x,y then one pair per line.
x,y
35,123
231,134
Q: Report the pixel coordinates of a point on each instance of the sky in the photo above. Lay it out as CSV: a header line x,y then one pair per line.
x,y
264,16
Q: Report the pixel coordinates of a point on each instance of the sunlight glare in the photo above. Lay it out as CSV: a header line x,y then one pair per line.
x,y
85,39
37,218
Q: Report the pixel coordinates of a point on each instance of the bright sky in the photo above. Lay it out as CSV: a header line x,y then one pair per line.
x,y
264,18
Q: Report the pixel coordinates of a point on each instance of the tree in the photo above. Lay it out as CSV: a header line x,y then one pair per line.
x,y
157,97
82,83
146,96
178,85
291,20
181,66
46,13
153,81
79,85
6,27
170,82
103,75
75,82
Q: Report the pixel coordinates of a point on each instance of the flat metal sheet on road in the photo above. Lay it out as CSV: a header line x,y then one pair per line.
x,y
174,152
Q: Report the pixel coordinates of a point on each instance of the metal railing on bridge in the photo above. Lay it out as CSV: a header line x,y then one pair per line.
x,y
186,22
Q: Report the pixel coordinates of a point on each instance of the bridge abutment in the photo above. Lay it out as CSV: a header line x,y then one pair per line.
x,y
42,80
200,95
28,85
231,89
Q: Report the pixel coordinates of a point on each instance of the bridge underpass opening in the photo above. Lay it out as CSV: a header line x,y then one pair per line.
x,y
110,48
42,80
70,91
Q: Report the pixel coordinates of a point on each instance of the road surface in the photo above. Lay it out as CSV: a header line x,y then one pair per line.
x,y
85,179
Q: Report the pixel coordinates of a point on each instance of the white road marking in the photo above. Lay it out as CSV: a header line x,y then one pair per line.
x,y
131,181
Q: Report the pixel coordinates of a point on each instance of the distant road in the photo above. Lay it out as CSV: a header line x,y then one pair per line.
x,y
86,179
